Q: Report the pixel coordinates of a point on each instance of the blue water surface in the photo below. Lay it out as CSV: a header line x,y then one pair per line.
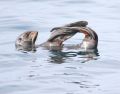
x,y
49,72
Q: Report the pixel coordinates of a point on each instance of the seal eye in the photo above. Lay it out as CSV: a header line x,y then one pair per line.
x,y
20,39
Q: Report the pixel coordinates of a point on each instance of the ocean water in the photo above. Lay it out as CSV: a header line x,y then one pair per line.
x,y
49,72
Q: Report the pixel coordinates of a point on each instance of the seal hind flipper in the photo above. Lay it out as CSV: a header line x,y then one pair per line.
x,y
61,34
75,24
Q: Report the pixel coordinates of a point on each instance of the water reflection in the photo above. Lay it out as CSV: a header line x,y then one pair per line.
x,y
85,84
59,56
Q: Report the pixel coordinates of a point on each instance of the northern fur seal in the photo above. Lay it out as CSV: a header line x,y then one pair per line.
x,y
26,41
